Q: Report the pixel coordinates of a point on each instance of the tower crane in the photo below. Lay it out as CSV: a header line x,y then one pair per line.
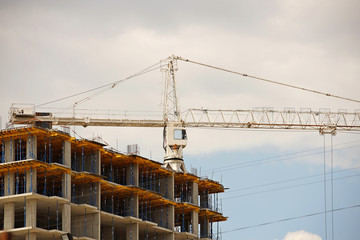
x,y
175,122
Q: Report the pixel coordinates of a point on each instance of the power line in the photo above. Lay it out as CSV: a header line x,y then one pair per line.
x,y
291,180
273,159
325,210
332,189
287,187
288,219
268,80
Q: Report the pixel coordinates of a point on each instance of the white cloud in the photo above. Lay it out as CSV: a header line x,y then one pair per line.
x,y
301,235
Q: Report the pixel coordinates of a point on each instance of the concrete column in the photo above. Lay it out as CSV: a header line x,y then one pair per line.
x,y
31,211
30,236
66,217
9,216
97,165
96,226
67,154
171,187
132,175
98,195
132,231
195,193
31,180
9,178
9,184
9,151
66,186
195,222
171,217
31,147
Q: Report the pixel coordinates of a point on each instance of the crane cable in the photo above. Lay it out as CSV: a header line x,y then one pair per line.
x,y
101,89
268,80
109,85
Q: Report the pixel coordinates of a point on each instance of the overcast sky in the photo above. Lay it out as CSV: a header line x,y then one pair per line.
x,y
52,49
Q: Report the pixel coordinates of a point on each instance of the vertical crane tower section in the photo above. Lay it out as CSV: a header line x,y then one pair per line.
x,y
174,135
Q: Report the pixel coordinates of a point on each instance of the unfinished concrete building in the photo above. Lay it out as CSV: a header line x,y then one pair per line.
x,y
52,183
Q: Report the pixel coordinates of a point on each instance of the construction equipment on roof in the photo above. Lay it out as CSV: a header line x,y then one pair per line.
x,y
175,122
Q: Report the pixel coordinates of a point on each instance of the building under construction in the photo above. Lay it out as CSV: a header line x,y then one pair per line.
x,y
52,184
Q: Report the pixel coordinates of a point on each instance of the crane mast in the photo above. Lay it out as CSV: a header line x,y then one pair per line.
x,y
174,135
171,104
174,123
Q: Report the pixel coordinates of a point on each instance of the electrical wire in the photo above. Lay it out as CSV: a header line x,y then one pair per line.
x,y
325,206
268,80
288,219
271,160
287,187
332,189
288,180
